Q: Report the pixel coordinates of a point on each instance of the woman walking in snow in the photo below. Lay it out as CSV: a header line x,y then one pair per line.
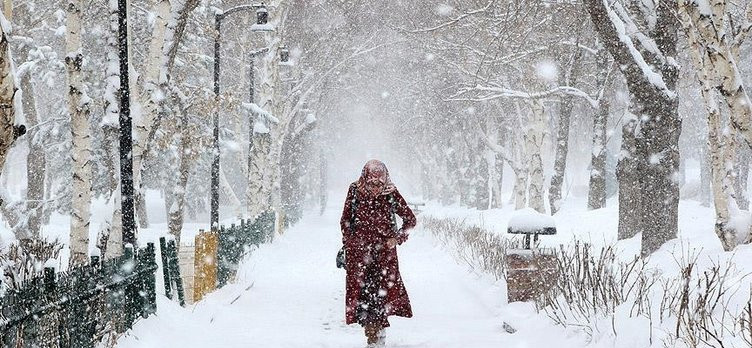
x,y
374,288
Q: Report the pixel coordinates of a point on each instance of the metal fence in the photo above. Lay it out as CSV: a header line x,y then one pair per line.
x,y
80,307
236,241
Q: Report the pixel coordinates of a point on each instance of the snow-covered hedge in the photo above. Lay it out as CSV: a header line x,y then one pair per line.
x,y
625,302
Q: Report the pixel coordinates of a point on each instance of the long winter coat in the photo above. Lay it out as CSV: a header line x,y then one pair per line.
x,y
373,226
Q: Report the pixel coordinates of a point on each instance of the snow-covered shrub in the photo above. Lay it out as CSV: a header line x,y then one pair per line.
x,y
593,284
25,259
603,296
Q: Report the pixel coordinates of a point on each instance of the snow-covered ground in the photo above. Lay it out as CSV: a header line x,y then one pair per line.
x,y
289,294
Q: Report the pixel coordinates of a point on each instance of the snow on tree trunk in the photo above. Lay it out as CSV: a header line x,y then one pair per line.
x,y
648,62
36,162
112,237
721,143
256,195
177,209
534,144
705,175
597,184
78,107
741,176
492,166
7,93
708,21
630,197
263,175
562,136
150,98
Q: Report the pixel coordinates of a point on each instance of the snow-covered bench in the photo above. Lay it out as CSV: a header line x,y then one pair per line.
x,y
531,223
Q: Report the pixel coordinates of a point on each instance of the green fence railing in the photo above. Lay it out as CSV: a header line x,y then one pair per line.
x,y
79,307
235,241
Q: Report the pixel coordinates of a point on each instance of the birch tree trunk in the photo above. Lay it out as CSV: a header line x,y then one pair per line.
x,y
741,176
256,195
111,238
534,139
721,144
263,176
715,46
705,175
78,107
150,98
176,211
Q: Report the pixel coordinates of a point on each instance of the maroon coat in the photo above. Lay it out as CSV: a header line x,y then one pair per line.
x,y
373,226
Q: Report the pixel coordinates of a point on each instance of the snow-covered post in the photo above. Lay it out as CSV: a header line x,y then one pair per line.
x,y
78,107
530,271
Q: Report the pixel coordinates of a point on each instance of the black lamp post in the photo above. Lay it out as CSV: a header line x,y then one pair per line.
x,y
126,143
262,17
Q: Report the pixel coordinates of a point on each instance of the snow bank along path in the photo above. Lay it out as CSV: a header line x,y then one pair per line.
x,y
289,294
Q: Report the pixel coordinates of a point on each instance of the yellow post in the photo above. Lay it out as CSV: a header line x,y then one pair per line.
x,y
205,264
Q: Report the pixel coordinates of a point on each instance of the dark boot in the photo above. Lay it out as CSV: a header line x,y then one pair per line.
x,y
372,332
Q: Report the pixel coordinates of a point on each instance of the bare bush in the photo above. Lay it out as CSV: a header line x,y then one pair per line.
x,y
473,245
593,289
25,259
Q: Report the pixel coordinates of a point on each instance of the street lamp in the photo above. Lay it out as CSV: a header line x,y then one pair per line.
x,y
262,17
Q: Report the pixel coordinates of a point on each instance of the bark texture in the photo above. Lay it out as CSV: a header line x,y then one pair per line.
x,y
7,96
78,107
651,74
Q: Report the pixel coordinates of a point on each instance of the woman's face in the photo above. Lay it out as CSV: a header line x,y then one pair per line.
x,y
375,184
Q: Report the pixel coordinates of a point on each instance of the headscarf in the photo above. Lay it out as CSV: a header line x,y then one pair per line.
x,y
374,170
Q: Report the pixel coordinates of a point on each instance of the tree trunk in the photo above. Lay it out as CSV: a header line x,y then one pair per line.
x,y
323,184
721,146
257,198
562,136
499,181
534,139
705,175
741,176
597,185
78,106
651,82
711,31
176,211
7,96
36,162
150,98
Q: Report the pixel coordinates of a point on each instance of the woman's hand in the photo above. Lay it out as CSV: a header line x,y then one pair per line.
x,y
391,243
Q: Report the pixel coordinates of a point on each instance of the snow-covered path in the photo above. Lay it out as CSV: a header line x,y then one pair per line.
x,y
289,294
